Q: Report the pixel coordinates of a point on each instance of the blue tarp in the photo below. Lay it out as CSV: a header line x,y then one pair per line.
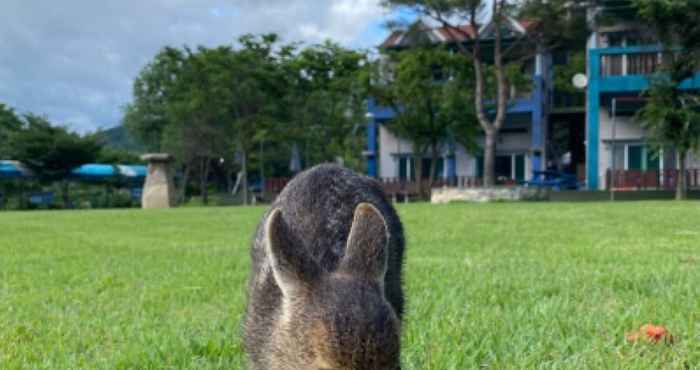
x,y
14,169
107,171
94,171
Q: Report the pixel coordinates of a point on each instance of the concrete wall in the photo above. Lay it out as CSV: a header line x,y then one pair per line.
x,y
390,146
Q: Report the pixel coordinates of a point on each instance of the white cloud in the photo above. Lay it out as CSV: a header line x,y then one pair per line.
x,y
75,60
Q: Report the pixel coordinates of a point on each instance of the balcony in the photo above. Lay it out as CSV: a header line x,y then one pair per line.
x,y
627,69
643,64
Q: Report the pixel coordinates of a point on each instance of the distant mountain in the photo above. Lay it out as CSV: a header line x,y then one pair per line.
x,y
119,138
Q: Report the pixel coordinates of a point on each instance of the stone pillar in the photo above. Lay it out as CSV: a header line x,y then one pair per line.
x,y
159,189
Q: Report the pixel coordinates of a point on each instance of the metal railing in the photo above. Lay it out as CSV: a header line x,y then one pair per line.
x,y
651,179
630,64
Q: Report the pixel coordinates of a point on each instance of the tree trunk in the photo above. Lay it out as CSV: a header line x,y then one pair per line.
x,y
182,191
491,128
22,199
204,180
228,172
4,194
418,164
490,138
433,165
244,179
65,193
681,189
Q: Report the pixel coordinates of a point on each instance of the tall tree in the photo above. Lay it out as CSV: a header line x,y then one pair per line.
x,y
9,123
257,95
325,102
200,111
671,114
549,22
147,117
427,90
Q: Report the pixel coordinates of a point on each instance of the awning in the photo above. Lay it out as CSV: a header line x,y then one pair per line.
x,y
14,169
108,171
95,172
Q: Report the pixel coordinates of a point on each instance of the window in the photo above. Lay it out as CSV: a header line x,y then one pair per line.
x,y
407,168
520,167
510,166
637,157
439,168
504,165
653,160
634,157
479,166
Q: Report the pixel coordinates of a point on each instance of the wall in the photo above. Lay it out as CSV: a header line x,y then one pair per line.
x,y
390,145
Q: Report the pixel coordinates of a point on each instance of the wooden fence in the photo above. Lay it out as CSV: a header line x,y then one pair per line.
x,y
652,179
393,187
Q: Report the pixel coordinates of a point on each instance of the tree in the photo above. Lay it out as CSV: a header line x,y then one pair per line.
x,y
325,102
552,24
671,114
9,123
207,104
109,155
257,96
146,117
200,110
672,120
428,91
52,152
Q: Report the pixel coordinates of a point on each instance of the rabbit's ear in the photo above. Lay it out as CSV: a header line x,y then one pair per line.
x,y
366,251
294,270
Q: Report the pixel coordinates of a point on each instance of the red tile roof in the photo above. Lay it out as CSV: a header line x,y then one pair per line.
x,y
392,40
457,34
528,24
446,34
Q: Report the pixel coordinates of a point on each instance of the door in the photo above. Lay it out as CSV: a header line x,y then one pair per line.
x,y
520,167
634,157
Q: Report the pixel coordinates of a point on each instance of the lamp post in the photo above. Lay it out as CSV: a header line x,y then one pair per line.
x,y
613,146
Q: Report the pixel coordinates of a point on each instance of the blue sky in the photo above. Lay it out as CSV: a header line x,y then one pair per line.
x,y
74,60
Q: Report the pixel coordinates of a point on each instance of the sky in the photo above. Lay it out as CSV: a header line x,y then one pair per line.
x,y
74,61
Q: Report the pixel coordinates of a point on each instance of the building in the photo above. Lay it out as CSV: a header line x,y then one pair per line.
x,y
620,58
521,148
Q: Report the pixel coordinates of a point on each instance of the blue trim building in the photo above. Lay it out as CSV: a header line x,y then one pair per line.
x,y
620,60
621,73
522,142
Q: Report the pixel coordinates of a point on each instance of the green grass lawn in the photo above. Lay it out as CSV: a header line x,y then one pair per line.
x,y
497,286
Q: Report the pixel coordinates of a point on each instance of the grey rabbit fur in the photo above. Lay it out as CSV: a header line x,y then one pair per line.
x,y
325,289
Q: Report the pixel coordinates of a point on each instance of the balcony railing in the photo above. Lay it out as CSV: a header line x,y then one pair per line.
x,y
652,179
631,64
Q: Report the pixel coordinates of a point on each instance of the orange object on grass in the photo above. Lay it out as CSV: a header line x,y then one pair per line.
x,y
650,332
